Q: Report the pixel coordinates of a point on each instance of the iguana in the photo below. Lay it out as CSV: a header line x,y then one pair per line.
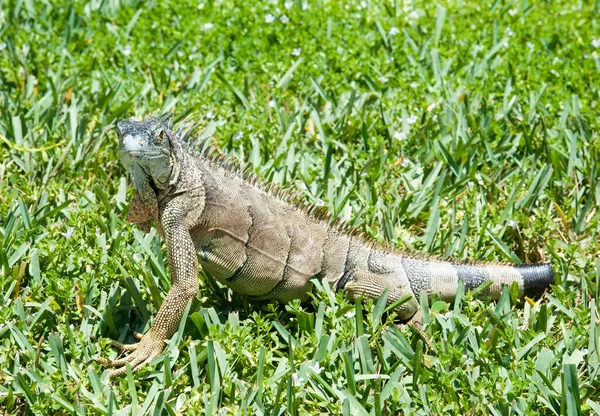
x,y
261,242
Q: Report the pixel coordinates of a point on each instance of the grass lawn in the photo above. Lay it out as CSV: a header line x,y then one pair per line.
x,y
464,129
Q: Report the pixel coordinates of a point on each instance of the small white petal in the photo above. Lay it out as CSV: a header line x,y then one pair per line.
x,y
269,18
200,6
296,380
317,368
69,233
394,31
513,12
296,52
208,26
284,19
399,135
319,202
288,5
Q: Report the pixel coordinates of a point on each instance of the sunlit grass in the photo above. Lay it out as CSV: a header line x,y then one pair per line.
x,y
464,130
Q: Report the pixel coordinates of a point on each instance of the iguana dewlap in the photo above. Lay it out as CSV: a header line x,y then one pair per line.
x,y
259,242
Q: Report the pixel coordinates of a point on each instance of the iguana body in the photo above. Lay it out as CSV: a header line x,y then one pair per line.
x,y
261,244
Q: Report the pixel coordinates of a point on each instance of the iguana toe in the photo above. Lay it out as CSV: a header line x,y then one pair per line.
x,y
146,350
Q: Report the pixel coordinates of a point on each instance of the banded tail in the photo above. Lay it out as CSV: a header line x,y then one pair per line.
x,y
443,277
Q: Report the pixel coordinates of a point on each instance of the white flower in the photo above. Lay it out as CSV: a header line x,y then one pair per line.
x,y
405,163
269,18
284,19
296,52
208,26
272,103
530,45
180,54
210,115
363,4
319,202
393,31
127,50
288,5
200,6
2,46
304,6
399,135
414,84
350,315
583,351
509,32
239,135
512,224
513,12
596,43
69,233
411,119
383,79
296,380
413,15
316,368
478,329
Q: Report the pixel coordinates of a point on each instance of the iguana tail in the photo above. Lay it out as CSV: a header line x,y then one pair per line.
x,y
369,273
443,277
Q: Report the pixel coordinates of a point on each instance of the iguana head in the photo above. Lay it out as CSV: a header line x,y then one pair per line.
x,y
146,150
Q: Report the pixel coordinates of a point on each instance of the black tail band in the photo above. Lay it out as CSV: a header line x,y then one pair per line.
x,y
536,277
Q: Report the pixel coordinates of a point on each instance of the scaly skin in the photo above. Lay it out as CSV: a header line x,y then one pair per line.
x,y
257,240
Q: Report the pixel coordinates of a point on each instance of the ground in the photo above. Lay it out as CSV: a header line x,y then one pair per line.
x,y
462,129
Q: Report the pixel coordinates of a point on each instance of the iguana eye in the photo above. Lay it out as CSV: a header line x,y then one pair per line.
x,y
160,137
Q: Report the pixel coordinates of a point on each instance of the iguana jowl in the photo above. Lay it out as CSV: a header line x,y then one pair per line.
x,y
262,244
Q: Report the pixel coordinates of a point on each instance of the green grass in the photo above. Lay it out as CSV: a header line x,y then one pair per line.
x,y
467,129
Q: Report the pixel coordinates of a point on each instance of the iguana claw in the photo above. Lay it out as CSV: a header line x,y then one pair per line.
x,y
143,352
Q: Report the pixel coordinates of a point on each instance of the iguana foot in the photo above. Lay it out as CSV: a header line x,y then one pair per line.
x,y
416,323
146,350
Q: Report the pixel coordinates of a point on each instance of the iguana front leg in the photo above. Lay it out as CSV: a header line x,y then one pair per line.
x,y
183,263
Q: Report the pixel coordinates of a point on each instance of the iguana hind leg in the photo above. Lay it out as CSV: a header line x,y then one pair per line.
x,y
371,285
